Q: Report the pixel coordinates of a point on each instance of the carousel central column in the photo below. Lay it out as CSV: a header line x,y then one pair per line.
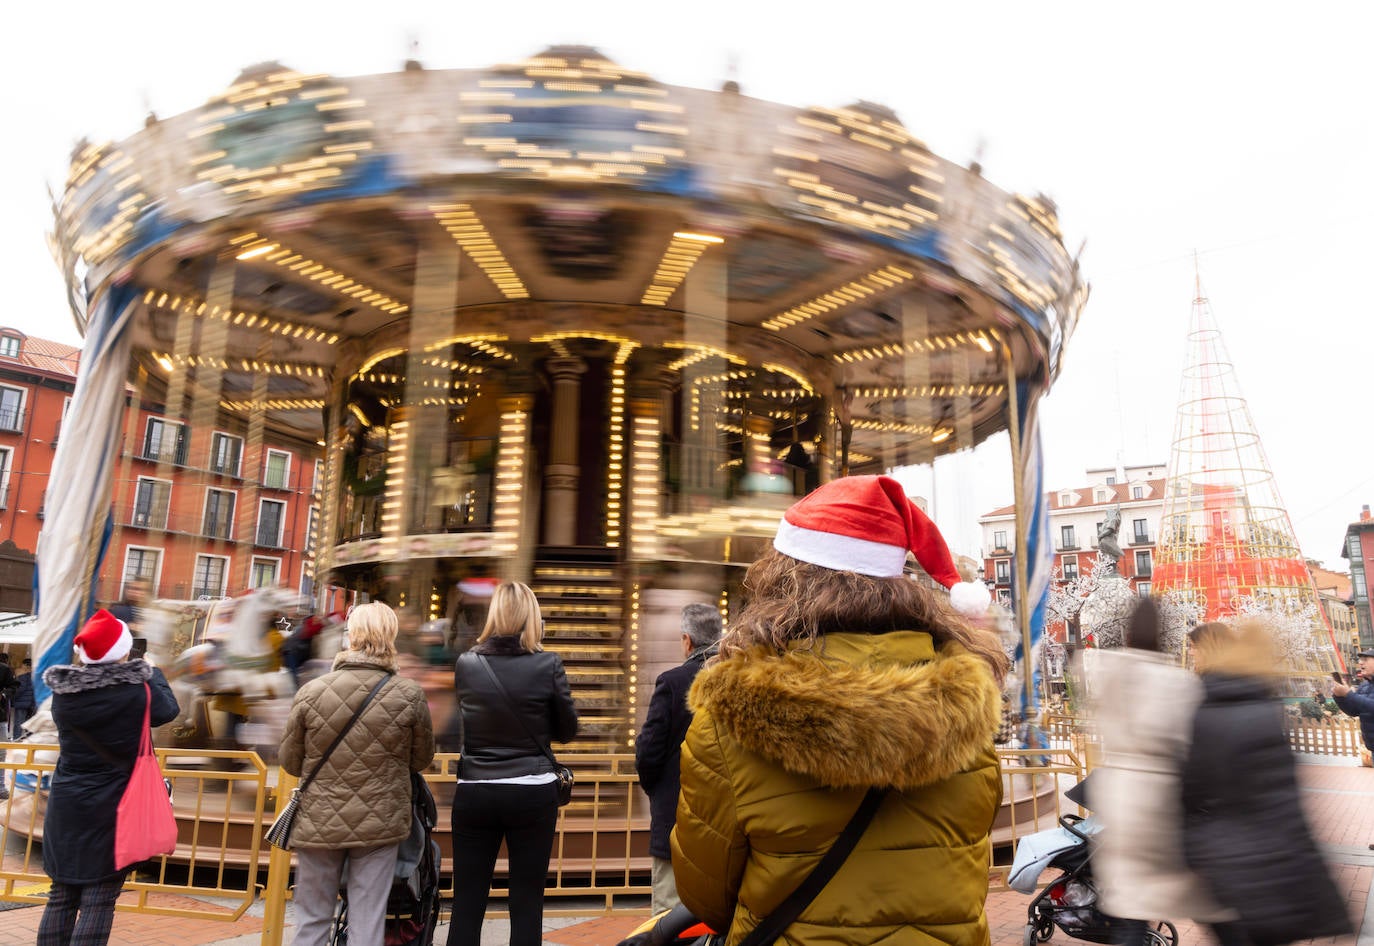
x,y
562,474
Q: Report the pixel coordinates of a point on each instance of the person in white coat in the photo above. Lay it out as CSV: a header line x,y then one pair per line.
x,y
1144,704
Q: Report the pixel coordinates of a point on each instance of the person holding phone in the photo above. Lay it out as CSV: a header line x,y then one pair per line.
x,y
1358,699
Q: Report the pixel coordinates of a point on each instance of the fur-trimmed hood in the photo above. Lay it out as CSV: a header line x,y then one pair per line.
x,y
356,658
76,678
856,709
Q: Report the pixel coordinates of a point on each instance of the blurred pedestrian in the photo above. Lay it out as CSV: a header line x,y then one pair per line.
x,y
1244,831
842,681
358,809
9,686
1358,699
513,702
23,697
97,706
658,748
1143,704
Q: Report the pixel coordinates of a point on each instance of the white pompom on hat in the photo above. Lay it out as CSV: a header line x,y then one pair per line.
x,y
866,524
103,639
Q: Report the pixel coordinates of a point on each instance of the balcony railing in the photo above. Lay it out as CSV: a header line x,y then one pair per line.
x,y
1146,538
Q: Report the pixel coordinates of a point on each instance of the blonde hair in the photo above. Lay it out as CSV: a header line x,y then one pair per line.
x,y
514,611
1248,651
372,630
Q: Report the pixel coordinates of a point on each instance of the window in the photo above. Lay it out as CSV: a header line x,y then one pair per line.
x,y
271,516
11,408
316,481
999,539
5,453
1142,563
1003,571
264,572
9,346
307,583
218,521
1142,588
276,470
1102,495
1070,568
1111,481
165,441
1353,547
225,453
211,571
141,564
1137,492
310,529
1357,583
1066,538
151,500
1140,528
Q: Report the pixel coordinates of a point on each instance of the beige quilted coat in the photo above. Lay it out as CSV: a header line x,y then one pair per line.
x,y
362,796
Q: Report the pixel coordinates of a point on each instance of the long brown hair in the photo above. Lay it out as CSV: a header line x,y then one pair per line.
x,y
791,600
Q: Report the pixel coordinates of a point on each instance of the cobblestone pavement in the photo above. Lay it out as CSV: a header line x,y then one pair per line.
x,y
1338,794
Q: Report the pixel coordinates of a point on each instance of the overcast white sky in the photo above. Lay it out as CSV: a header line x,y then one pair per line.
x,y
1241,131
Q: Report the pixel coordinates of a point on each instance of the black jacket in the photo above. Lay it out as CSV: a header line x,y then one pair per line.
x,y
23,695
106,701
1360,702
658,749
495,744
1244,832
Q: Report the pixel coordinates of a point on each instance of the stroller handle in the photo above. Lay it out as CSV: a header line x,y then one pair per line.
x,y
1070,824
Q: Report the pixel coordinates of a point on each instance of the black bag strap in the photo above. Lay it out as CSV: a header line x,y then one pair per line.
x,y
110,758
305,782
780,919
520,719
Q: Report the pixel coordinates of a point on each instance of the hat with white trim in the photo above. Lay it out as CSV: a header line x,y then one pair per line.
x,y
103,639
866,524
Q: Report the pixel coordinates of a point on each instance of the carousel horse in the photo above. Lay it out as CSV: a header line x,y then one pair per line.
x,y
235,667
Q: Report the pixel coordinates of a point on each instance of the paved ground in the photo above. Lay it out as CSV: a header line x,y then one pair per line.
x,y
1339,797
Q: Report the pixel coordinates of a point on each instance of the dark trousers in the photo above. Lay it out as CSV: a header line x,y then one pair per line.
x,y
484,815
79,914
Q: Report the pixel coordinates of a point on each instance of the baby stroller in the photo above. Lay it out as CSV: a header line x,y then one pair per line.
x,y
412,907
1069,902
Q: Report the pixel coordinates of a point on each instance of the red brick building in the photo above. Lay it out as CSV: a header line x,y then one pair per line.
x,y
1359,549
198,511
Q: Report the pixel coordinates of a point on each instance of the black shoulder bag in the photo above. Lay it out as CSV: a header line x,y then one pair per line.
x,y
565,774
279,835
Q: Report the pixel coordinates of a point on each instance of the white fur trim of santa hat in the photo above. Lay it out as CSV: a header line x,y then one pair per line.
x,y
104,639
866,524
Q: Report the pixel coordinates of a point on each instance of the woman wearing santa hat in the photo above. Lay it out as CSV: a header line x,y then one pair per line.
x,y
97,705
844,674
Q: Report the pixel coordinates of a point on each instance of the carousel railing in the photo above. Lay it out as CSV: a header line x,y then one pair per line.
x,y
600,862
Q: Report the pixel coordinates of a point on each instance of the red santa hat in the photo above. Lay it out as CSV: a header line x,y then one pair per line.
x,y
866,524
104,639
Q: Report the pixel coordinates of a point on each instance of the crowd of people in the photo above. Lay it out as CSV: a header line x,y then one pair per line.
x,y
1198,793
825,764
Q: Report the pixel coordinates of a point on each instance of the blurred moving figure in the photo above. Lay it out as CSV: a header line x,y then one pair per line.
x,y
658,748
843,674
1144,705
1243,826
1358,700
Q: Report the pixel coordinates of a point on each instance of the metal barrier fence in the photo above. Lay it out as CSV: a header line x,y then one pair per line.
x,y
225,799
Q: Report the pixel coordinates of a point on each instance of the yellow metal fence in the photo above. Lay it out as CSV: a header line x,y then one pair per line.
x,y
225,799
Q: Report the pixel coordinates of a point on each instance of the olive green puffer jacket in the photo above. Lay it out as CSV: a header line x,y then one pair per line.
x,y
362,795
781,751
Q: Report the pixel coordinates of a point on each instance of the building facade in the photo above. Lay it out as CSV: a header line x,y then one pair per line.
x,y
1359,549
201,509
1075,513
1334,595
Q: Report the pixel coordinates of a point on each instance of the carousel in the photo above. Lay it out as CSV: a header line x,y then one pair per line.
x,y
552,320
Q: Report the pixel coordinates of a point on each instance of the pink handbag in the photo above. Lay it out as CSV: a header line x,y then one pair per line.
x,y
144,823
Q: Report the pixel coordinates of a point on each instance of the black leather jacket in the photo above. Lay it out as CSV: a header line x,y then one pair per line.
x,y
495,744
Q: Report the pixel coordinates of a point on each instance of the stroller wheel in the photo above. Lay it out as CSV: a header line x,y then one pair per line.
x,y
1044,927
1162,933
1031,936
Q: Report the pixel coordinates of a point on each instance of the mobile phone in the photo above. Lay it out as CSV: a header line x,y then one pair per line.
x,y
1336,675
139,648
